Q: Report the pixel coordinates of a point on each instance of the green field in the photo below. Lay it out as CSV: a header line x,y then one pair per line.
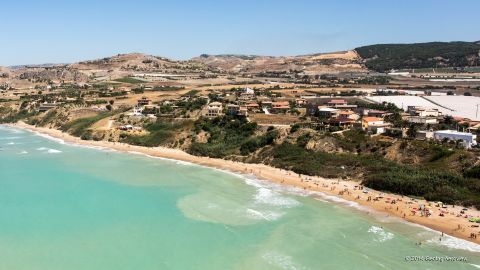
x,y
130,80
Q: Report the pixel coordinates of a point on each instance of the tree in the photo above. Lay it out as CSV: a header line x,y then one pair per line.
x,y
111,102
412,131
109,107
394,118
449,120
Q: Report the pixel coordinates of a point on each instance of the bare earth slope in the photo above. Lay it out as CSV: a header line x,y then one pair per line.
x,y
347,61
137,63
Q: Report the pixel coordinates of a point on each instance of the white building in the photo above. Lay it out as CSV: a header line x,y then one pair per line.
x,y
422,120
249,91
424,135
374,125
423,111
468,139
137,111
327,112
214,109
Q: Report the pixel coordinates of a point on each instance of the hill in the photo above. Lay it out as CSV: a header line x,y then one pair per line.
x,y
4,72
136,62
384,57
346,61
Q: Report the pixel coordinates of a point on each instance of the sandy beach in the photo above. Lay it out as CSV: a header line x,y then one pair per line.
x,y
453,221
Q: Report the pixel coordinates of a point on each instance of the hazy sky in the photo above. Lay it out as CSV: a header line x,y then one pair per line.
x,y
51,31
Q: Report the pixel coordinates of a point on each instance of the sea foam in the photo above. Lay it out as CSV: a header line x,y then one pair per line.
x,y
46,136
454,243
49,150
270,197
264,215
281,261
380,234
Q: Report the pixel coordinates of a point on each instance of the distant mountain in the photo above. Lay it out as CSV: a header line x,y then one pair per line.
x,y
384,57
4,69
131,61
47,65
4,73
381,57
345,61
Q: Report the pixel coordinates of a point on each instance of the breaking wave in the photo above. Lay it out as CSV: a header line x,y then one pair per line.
x,y
380,234
454,243
49,150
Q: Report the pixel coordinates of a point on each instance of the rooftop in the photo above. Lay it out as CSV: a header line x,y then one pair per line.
x,y
328,109
372,119
281,103
376,111
453,132
335,101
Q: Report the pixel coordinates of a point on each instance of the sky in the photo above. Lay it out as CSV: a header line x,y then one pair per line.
x,y
54,31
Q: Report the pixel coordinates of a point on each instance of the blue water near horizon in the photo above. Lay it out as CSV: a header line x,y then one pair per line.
x,y
72,207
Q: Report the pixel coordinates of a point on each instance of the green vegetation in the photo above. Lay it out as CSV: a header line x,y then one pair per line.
x,y
49,116
436,184
433,184
159,133
255,143
375,80
80,126
10,116
357,141
229,136
384,57
192,104
191,93
440,153
168,88
112,94
139,90
129,80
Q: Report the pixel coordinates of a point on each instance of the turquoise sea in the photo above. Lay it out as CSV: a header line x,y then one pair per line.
x,y
70,207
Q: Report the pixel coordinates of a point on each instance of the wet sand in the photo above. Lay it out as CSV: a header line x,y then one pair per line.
x,y
451,223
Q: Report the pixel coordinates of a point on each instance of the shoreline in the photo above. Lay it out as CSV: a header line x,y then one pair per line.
x,y
449,224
